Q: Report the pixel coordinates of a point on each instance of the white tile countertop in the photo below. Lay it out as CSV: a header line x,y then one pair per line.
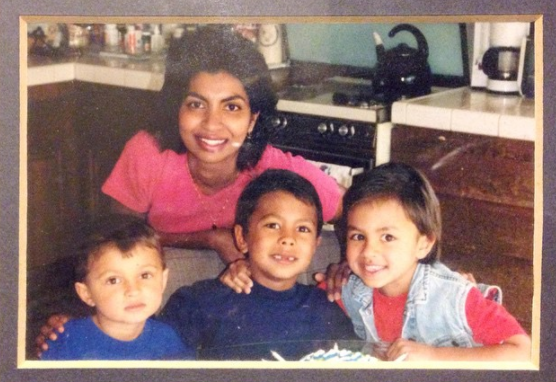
x,y
458,110
145,74
470,111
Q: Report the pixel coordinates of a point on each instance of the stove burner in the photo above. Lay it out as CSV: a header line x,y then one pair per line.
x,y
360,100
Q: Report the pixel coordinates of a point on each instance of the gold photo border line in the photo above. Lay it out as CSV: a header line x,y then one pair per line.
x,y
539,156
31,364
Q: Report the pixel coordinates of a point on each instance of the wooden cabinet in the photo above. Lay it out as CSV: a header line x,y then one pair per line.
x,y
75,133
53,173
107,117
486,189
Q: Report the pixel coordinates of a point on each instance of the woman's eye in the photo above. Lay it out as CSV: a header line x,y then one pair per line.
x,y
193,104
233,107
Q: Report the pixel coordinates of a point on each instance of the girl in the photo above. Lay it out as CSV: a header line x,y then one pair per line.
x,y
400,297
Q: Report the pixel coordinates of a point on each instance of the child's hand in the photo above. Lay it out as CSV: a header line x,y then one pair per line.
x,y
237,276
54,324
336,277
409,351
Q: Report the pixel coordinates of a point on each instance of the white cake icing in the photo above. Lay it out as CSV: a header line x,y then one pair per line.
x,y
336,354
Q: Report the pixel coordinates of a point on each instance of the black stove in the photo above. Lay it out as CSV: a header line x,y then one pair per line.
x,y
335,122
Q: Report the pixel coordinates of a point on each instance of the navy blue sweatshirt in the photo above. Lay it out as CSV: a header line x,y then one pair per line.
x,y
223,324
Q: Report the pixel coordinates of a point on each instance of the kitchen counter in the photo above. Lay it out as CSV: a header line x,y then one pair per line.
x,y
144,74
458,110
470,111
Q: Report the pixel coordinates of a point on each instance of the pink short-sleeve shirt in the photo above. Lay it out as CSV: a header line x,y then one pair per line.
x,y
159,184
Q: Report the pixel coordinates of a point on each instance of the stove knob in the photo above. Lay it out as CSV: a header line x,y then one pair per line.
x,y
343,130
322,128
278,122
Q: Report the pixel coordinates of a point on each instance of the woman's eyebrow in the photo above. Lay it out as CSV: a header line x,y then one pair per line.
x,y
227,99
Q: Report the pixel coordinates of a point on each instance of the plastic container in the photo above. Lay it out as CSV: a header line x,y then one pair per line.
x,y
111,38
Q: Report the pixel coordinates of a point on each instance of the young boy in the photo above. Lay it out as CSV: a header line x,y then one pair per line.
x,y
120,272
400,298
277,226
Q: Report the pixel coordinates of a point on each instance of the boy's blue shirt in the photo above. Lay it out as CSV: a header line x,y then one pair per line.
x,y
83,340
223,324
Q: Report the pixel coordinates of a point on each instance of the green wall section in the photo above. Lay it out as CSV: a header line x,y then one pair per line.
x,y
353,44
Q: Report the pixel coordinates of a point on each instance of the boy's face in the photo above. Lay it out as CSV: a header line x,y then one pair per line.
x,y
281,240
384,246
124,290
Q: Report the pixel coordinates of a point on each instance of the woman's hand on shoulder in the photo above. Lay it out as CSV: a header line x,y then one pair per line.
x,y
237,276
54,325
336,277
222,241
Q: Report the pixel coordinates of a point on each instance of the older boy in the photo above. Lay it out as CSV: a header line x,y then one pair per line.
x,y
277,226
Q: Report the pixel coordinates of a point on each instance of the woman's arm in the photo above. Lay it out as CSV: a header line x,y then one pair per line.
x,y
220,239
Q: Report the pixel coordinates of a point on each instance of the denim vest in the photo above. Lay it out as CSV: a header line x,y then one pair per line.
x,y
434,313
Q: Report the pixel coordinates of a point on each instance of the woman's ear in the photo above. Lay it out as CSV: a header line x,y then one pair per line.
x,y
83,292
424,246
241,243
252,122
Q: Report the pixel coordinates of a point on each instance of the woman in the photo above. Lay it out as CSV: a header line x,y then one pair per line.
x,y
185,173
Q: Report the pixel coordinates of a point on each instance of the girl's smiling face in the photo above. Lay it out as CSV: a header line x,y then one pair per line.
x,y
215,117
281,239
384,245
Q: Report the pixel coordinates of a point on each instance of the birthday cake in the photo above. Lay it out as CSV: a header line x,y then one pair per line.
x,y
334,355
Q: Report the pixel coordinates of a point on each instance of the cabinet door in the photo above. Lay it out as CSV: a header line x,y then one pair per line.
x,y
53,182
106,117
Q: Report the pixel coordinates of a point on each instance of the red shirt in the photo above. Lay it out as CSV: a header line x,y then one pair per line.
x,y
489,321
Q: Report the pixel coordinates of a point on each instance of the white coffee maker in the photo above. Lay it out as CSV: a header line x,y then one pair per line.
x,y
497,49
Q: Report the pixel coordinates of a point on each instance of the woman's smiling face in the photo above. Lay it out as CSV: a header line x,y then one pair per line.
x,y
215,117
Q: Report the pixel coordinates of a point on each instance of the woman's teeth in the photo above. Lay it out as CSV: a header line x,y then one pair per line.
x,y
213,142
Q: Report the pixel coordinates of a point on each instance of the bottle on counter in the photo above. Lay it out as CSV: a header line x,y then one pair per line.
x,y
111,38
146,41
130,40
138,39
157,39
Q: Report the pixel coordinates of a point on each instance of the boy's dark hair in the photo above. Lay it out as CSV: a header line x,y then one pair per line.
x,y
214,49
271,181
122,232
410,188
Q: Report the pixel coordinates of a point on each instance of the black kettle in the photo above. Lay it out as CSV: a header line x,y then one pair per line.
x,y
403,71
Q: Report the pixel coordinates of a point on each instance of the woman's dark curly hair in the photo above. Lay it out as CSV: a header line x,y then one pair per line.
x,y
214,49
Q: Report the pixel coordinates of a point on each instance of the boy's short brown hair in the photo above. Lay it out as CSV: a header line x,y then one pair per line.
x,y
123,232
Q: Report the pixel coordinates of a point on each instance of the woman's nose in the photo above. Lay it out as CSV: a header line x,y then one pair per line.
x,y
212,118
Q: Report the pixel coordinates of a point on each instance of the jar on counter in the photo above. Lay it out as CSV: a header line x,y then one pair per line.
x,y
130,40
78,36
111,38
